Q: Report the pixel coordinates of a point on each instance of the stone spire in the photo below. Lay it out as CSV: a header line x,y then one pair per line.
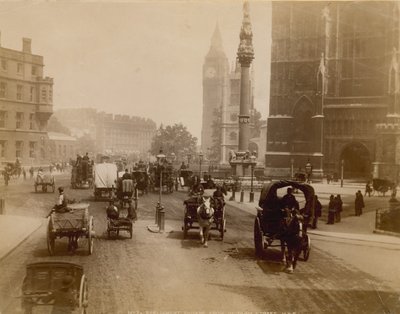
x,y
216,48
245,51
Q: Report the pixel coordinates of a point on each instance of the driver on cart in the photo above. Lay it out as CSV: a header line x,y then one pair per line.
x,y
61,205
218,198
273,214
112,210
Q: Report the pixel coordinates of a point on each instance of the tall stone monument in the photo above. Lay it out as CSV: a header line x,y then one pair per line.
x,y
240,160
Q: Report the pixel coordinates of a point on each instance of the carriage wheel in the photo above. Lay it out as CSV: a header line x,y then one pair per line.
x,y
83,295
258,238
90,236
130,231
50,238
307,248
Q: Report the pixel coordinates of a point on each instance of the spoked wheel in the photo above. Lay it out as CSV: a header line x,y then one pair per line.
x,y
306,248
83,296
90,236
50,237
258,238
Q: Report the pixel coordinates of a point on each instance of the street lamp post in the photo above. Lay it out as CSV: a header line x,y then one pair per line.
x,y
292,168
200,161
341,172
253,163
159,208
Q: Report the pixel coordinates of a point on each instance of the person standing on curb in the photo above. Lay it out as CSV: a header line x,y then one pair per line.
x,y
317,212
339,208
359,203
331,210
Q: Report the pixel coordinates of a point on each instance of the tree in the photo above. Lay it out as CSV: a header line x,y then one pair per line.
x,y
257,123
54,125
215,152
174,139
85,144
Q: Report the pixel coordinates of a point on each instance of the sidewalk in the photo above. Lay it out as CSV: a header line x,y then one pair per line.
x,y
14,230
359,228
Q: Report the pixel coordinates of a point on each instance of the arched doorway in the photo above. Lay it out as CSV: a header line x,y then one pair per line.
x,y
357,161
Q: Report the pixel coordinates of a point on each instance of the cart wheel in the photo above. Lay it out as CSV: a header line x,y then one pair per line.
x,y
50,237
130,231
307,248
83,295
258,238
90,235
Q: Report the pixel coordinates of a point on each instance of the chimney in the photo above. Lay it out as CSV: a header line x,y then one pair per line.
x,y
26,45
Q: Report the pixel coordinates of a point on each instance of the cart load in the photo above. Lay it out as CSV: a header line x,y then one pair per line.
x,y
45,181
105,178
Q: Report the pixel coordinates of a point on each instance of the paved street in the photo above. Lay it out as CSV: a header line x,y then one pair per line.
x,y
163,272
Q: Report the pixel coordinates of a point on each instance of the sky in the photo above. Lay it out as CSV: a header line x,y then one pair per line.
x,y
141,58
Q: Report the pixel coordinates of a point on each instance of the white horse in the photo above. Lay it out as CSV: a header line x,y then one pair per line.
x,y
205,218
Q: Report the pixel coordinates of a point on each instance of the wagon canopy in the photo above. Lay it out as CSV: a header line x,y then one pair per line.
x,y
269,191
105,175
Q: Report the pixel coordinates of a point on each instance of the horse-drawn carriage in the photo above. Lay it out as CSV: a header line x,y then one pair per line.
x,y
105,177
142,180
126,193
186,177
201,213
73,222
381,186
286,225
163,178
82,175
117,223
44,181
58,285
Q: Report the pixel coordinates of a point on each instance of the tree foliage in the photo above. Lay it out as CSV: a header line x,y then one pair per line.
x,y
54,125
174,139
85,144
256,122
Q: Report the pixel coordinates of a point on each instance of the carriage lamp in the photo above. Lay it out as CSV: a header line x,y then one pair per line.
x,y
253,162
200,161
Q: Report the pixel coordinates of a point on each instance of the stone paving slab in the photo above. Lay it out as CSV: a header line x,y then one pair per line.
x,y
14,230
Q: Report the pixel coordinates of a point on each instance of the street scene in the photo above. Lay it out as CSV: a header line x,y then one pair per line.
x,y
147,168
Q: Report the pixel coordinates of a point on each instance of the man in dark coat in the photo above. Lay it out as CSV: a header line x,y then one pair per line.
x,y
331,210
359,203
338,208
317,212
289,200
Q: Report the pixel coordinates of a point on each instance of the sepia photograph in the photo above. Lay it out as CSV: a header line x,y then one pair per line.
x,y
199,157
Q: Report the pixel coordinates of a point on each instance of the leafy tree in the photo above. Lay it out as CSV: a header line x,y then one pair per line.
x,y
54,125
174,139
257,123
215,152
85,143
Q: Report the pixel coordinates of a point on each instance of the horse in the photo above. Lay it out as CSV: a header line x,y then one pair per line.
x,y
205,218
291,239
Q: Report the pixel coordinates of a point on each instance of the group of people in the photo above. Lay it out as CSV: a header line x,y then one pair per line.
x,y
335,208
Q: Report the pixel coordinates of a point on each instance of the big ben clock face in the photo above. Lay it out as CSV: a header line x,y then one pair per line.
x,y
210,72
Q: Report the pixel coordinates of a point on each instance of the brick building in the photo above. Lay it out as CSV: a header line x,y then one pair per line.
x,y
26,104
334,87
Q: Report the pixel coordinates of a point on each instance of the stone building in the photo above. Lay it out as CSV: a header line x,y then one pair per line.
x,y
62,147
221,91
26,104
122,134
334,86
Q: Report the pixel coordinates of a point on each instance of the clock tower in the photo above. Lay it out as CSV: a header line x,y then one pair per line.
x,y
215,85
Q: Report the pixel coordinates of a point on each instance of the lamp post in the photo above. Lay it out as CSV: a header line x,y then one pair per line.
x,y
189,157
292,168
159,208
252,164
200,161
341,172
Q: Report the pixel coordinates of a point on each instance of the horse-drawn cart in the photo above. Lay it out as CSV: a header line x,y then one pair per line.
x,y
73,222
191,221
45,181
55,286
286,225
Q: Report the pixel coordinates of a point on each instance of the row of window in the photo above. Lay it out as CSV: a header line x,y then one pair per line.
x,y
20,67
19,148
19,120
45,96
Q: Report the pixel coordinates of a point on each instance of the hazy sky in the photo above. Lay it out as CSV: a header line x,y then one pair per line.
x,y
139,58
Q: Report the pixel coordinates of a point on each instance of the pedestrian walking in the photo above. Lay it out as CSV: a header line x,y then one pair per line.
x,y
339,208
331,210
317,212
368,189
359,203
6,177
31,172
24,173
